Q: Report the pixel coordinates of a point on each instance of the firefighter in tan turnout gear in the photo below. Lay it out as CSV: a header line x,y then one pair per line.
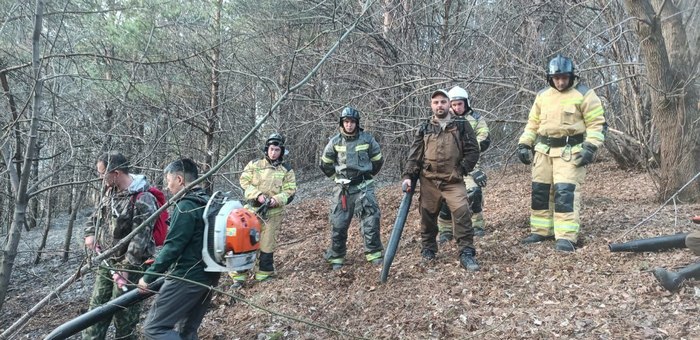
x,y
269,185
475,180
352,157
565,127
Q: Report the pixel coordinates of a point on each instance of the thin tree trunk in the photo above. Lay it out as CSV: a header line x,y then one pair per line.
x,y
50,207
69,230
34,202
21,198
212,118
44,236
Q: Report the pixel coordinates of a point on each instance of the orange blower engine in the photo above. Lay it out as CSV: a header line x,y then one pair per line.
x,y
231,235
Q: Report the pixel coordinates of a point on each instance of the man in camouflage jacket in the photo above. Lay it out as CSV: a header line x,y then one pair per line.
x,y
125,205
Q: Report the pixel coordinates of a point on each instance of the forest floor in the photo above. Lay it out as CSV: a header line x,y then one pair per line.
x,y
521,291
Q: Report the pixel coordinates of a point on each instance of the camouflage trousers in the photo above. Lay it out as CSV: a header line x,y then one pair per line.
x,y
124,321
360,203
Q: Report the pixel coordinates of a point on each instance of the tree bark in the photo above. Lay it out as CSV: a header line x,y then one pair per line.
x,y
50,207
21,198
75,207
673,96
212,118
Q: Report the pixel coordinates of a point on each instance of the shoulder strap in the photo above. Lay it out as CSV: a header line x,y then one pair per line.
x,y
136,196
462,128
424,126
133,199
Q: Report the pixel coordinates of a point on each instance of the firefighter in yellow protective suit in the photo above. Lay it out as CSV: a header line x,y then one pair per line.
x,y
565,128
269,185
475,180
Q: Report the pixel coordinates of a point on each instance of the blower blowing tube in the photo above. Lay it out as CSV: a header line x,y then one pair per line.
x,y
103,312
651,244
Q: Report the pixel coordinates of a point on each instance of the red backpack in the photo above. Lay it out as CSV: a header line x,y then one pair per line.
x,y
160,228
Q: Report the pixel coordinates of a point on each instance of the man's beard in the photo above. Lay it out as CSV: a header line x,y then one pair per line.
x,y
441,113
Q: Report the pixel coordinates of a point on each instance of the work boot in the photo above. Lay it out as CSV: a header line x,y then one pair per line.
x,y
468,261
336,262
444,238
238,279
479,232
536,238
671,281
564,245
427,254
262,276
374,258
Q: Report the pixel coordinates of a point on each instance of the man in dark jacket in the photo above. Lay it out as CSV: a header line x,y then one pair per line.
x,y
179,301
443,151
352,158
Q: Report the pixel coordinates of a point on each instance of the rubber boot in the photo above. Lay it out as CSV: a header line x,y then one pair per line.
x,y
374,258
564,245
671,281
335,262
238,279
536,238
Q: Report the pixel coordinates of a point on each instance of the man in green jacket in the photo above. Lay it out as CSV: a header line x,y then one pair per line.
x,y
179,301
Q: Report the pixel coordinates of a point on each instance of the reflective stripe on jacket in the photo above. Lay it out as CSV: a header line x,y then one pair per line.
x,y
351,157
478,123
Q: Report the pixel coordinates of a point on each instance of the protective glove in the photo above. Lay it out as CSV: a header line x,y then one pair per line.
x,y
479,178
585,157
525,153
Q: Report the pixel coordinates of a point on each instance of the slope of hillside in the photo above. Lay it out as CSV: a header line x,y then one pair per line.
x,y
521,291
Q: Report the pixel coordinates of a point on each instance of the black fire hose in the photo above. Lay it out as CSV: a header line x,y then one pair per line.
x,y
676,241
393,243
103,312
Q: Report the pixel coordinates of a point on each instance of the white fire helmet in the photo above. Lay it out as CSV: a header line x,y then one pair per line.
x,y
458,93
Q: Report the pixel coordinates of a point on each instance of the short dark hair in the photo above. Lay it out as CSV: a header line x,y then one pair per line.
x,y
114,160
185,167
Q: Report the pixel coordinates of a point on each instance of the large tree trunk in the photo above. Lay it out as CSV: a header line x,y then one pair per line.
x,y
21,197
673,95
